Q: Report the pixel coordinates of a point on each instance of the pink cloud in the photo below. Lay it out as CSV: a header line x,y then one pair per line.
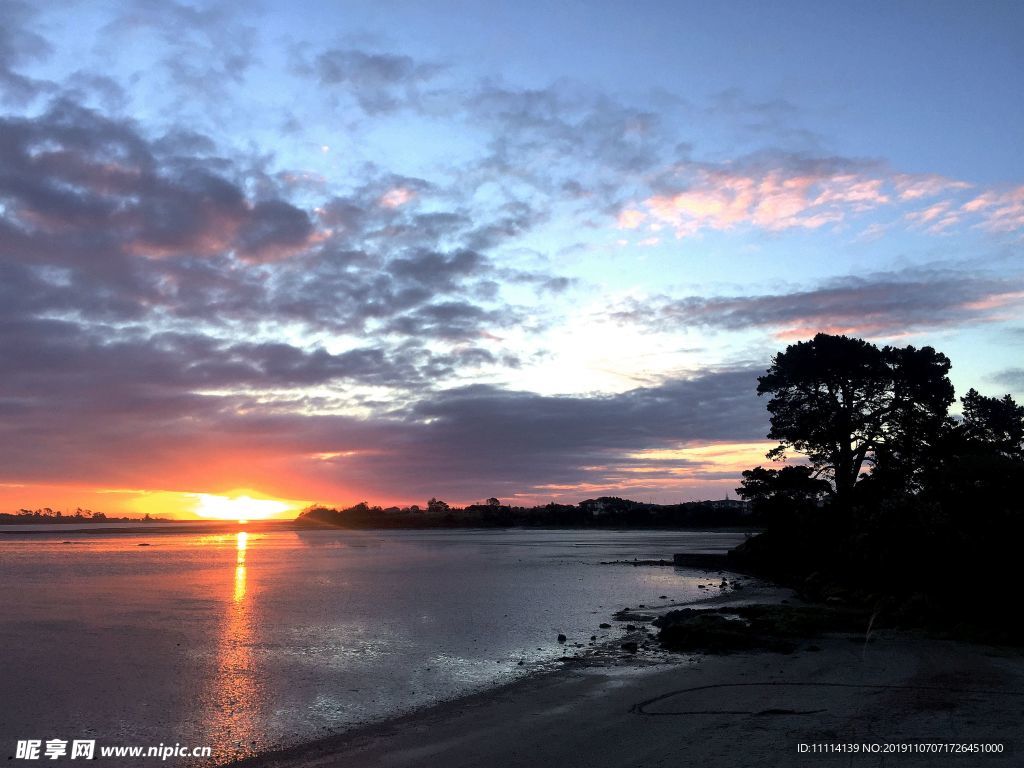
x,y
914,187
782,197
631,218
397,197
935,218
775,200
1001,211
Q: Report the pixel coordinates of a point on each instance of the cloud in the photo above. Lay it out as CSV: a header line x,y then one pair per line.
x,y
778,191
76,181
201,51
573,146
917,186
936,218
466,443
20,45
783,192
173,306
999,210
169,225
483,440
878,305
274,230
378,82
1010,377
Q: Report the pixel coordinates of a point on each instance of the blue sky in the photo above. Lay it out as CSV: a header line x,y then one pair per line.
x,y
335,251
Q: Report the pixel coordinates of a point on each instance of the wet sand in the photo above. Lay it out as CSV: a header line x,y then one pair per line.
x,y
749,709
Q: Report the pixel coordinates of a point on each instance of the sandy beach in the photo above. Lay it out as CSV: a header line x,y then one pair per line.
x,y
744,709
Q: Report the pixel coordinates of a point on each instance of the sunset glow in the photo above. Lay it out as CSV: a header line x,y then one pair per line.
x,y
334,263
241,508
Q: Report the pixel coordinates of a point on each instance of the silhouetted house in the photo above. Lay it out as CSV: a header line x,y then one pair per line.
x,y
733,505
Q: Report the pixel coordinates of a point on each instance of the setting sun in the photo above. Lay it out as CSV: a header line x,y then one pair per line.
x,y
241,508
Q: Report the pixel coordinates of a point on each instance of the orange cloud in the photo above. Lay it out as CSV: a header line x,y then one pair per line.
x,y
631,218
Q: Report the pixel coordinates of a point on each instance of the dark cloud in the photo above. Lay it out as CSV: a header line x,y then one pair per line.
x,y
51,359
276,229
378,82
19,45
465,442
89,194
449,320
203,50
157,276
882,304
478,440
775,121
1010,377
566,142
437,271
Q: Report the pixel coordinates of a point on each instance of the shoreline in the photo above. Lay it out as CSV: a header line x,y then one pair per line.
x,y
737,710
631,625
203,526
612,708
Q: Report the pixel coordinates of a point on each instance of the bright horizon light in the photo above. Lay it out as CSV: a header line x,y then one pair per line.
x,y
241,508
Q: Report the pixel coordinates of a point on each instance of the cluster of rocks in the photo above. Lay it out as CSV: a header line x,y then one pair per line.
x,y
725,585
637,636
782,628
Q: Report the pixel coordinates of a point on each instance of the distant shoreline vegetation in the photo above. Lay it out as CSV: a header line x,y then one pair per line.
x,y
603,512
48,515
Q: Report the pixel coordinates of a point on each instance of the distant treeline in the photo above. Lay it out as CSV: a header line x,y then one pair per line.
x,y
604,512
47,515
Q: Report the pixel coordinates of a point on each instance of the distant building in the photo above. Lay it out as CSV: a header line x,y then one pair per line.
x,y
731,504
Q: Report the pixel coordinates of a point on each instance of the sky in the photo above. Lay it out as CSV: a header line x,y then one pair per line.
x,y
323,252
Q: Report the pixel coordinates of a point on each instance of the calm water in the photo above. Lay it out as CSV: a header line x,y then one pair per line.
x,y
246,641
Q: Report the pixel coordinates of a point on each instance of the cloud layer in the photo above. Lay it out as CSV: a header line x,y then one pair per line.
x,y
234,258
880,305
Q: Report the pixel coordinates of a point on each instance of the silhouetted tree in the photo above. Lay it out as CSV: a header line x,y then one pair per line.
x,y
848,406
437,507
794,484
997,423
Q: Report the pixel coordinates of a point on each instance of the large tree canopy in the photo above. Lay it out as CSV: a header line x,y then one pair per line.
x,y
849,406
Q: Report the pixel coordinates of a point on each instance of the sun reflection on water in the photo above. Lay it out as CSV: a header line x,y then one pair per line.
x,y
243,542
234,715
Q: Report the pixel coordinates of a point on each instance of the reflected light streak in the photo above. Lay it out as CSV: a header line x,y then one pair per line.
x,y
233,709
242,543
